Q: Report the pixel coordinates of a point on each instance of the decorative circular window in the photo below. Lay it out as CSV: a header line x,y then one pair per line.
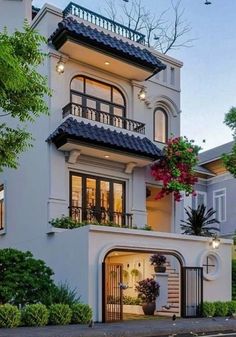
x,y
211,263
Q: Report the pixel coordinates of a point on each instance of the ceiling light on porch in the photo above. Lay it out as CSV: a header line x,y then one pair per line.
x,y
107,156
215,242
60,67
142,94
107,63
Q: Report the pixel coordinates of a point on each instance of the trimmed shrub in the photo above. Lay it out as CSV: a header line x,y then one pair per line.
x,y
63,294
221,309
10,316
60,314
81,313
35,315
23,279
129,300
231,307
208,309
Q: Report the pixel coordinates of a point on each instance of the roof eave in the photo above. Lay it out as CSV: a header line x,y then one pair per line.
x,y
62,36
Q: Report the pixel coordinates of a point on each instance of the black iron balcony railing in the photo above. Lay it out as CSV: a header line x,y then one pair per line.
x,y
101,216
103,117
103,22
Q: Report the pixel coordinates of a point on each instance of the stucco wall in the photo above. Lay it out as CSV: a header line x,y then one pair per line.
x,y
189,248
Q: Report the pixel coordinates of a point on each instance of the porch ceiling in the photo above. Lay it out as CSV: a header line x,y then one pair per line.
x,y
94,47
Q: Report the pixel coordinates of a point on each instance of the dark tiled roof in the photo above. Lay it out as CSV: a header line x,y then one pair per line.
x,y
85,34
87,133
215,153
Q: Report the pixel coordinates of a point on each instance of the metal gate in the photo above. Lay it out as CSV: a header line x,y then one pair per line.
x,y
192,291
112,292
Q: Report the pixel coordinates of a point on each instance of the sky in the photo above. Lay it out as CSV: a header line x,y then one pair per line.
x,y
208,77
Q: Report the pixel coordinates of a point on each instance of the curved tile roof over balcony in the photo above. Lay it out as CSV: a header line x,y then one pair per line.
x,y
92,134
70,28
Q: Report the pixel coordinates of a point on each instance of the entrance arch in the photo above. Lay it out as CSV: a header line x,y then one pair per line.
x,y
113,267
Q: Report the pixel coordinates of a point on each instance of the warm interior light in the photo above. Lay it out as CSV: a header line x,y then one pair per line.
x,y
60,67
215,242
107,63
106,156
142,94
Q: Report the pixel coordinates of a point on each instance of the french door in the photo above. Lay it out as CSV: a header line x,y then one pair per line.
x,y
96,199
112,292
192,291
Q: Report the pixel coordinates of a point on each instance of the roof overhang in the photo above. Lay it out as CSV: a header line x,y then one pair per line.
x,y
101,152
103,56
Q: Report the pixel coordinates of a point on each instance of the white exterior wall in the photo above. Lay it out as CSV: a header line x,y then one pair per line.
x,y
39,189
190,249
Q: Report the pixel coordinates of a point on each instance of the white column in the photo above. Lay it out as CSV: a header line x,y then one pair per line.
x,y
162,299
139,198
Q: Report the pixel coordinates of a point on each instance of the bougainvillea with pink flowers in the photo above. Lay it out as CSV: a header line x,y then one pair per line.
x,y
176,168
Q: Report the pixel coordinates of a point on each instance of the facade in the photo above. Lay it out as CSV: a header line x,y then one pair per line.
x,y
91,160
216,188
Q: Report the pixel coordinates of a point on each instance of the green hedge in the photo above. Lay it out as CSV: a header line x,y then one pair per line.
x,y
10,316
219,308
208,309
35,315
60,314
81,313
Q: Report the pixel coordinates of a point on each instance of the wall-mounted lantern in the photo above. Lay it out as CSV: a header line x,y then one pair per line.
x,y
60,67
142,94
215,242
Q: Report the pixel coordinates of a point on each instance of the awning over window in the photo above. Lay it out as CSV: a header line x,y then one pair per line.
x,y
73,132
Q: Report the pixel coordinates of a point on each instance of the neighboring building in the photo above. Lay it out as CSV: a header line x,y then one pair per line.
x,y
91,160
216,188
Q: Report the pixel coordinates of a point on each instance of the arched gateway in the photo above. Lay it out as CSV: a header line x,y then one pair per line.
x,y
181,287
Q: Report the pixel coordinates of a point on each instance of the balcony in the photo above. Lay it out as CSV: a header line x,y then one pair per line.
x,y
79,110
101,216
103,22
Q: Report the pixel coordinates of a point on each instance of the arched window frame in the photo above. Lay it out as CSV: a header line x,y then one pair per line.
x,y
159,109
99,101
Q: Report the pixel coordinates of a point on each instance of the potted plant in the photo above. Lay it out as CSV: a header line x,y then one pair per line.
x,y
134,272
148,290
158,260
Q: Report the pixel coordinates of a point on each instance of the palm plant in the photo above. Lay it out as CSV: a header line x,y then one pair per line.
x,y
198,221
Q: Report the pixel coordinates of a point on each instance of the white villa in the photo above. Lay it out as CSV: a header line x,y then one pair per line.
x,y
91,160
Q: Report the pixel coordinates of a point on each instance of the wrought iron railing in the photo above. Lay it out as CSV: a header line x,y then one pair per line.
x,y
103,22
103,117
95,215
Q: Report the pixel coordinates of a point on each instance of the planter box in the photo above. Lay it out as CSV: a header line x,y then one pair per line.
x,y
132,309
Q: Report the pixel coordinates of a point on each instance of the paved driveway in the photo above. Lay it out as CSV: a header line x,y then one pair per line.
x,y
127,329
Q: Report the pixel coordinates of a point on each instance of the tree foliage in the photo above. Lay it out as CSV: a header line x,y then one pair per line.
x,y
23,279
230,158
162,32
198,221
22,91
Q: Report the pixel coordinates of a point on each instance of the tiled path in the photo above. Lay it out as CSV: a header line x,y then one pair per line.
x,y
128,328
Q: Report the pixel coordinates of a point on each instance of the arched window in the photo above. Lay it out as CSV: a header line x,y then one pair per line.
x,y
160,125
98,96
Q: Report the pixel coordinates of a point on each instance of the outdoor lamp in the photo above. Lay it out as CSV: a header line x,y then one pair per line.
x,y
60,67
142,94
215,242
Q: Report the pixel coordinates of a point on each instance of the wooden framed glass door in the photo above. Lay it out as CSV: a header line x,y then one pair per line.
x,y
112,292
